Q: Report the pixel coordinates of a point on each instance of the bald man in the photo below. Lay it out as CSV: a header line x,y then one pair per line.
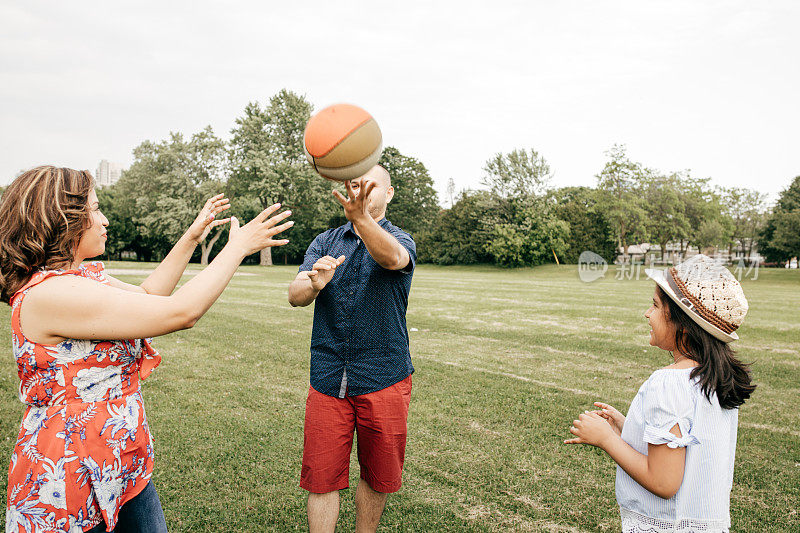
x,y
359,275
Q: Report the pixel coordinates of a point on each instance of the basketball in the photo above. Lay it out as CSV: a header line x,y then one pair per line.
x,y
343,142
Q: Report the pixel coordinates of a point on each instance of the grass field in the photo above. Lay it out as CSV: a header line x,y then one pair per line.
x,y
504,360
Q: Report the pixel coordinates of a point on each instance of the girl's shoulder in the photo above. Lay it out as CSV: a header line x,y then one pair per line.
x,y
668,379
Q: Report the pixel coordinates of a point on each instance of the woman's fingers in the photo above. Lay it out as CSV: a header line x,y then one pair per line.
x,y
219,208
278,229
220,222
277,218
265,214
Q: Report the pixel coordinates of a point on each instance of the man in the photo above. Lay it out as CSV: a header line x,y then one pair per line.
x,y
360,276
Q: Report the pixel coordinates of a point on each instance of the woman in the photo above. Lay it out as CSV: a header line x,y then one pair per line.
x,y
84,455
675,449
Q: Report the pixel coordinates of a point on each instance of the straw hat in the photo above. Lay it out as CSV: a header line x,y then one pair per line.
x,y
707,292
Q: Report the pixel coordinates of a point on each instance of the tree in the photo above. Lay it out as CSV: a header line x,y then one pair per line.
x,y
589,228
667,219
704,212
269,164
621,200
415,205
531,237
779,239
744,209
164,189
522,226
787,233
458,234
517,174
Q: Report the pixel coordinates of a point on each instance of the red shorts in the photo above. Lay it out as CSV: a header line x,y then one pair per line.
x,y
379,418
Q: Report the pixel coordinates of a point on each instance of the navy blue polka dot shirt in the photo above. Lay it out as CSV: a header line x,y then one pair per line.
x,y
359,343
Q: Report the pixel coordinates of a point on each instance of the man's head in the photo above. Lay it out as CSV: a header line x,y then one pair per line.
x,y
381,194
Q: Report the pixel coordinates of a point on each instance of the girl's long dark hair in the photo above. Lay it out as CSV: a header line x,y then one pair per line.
x,y
719,371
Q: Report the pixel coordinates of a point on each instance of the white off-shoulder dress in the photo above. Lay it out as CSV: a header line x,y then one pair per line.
x,y
708,432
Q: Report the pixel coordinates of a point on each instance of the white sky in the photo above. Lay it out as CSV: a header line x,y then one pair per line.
x,y
710,86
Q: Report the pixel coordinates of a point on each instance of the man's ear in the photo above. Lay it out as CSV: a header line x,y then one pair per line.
x,y
389,194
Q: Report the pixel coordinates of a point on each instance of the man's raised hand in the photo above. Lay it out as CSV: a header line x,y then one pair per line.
x,y
356,204
323,270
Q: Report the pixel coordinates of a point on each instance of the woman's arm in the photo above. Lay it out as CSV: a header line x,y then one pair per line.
x,y
168,273
660,471
74,307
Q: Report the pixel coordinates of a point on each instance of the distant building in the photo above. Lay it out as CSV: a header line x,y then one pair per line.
x,y
108,173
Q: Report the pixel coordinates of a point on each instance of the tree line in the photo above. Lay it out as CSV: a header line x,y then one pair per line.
x,y
516,219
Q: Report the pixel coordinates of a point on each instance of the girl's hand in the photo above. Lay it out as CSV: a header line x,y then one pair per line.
x,y
591,428
257,234
207,218
614,417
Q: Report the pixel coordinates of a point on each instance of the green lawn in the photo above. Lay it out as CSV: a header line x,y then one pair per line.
x,y
504,360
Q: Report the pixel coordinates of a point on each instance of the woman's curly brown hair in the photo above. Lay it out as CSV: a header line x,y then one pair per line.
x,y
43,214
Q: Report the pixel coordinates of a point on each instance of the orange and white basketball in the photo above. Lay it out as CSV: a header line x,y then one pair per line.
x,y
343,142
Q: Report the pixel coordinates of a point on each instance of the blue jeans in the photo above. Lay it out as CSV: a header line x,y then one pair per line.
x,y
142,514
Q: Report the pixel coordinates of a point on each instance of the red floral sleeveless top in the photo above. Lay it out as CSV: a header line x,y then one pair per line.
x,y
84,447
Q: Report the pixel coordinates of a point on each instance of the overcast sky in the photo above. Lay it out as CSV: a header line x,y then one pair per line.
x,y
709,86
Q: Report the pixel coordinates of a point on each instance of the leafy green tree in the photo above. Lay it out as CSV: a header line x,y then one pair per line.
x,y
159,196
745,211
787,233
269,164
778,239
458,235
667,220
522,224
621,201
708,225
415,205
589,228
532,236
520,173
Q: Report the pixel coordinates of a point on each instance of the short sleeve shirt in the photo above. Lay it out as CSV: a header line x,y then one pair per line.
x,y
359,342
708,432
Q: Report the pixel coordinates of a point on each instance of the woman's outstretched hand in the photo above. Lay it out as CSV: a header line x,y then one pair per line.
x,y
257,234
208,219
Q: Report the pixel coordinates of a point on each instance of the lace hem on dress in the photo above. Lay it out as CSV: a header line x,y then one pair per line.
x,y
633,522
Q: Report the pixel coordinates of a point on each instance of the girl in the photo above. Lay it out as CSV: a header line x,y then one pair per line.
x,y
84,455
675,449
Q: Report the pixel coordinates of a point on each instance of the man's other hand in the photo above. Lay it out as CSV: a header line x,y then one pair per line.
x,y
323,270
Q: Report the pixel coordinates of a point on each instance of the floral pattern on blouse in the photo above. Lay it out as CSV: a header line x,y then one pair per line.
x,y
84,447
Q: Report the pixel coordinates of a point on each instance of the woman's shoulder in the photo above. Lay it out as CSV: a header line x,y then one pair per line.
x,y
93,270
